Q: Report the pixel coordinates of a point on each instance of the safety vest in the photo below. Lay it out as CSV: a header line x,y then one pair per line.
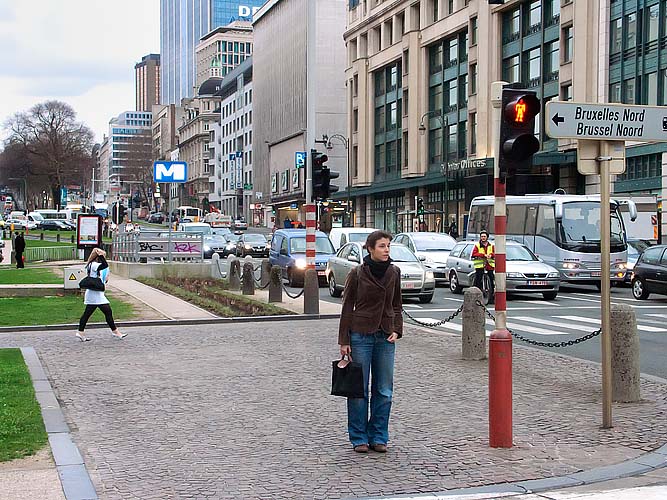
x,y
479,254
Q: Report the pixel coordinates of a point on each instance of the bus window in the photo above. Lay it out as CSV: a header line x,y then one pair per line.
x,y
531,218
546,222
481,217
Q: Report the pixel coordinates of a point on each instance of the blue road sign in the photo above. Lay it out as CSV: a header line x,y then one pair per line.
x,y
239,154
300,159
231,156
170,171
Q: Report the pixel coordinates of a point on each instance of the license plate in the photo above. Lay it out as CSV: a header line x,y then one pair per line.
x,y
320,273
538,283
408,285
596,274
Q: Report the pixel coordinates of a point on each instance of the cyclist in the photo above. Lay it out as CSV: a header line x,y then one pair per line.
x,y
483,258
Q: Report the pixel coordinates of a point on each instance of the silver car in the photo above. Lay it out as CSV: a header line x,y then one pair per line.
x,y
526,273
416,279
431,248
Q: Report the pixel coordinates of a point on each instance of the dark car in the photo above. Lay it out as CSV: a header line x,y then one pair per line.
x,y
252,244
156,218
214,243
230,248
288,250
650,273
54,225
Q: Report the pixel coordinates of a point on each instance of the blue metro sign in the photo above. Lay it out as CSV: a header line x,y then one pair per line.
x,y
170,171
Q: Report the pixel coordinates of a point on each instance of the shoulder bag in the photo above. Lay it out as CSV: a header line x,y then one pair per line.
x,y
347,378
90,283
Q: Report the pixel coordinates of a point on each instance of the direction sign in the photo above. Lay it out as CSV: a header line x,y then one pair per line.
x,y
170,171
606,122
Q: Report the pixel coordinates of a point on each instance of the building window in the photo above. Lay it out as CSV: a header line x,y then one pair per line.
x,y
567,44
651,17
473,79
435,59
630,31
463,91
435,146
511,26
616,35
663,86
650,89
435,98
452,52
473,31
511,69
452,135
532,68
534,17
551,61
473,133
434,6
355,120
566,92
629,91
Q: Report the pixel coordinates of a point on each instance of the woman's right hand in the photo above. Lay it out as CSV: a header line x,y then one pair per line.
x,y
345,350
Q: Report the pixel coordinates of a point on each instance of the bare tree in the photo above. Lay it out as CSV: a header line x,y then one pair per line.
x,y
51,144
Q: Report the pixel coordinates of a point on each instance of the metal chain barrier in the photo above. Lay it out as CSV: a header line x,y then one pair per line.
x,y
289,294
544,344
438,323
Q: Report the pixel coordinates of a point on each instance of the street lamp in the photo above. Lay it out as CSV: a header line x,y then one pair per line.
x,y
444,166
346,143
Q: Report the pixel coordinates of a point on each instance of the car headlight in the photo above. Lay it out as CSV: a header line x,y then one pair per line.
x,y
207,248
553,275
230,246
429,276
247,247
621,266
514,275
571,265
300,263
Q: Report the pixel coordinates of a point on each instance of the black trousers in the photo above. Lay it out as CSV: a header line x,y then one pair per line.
x,y
19,260
479,274
90,309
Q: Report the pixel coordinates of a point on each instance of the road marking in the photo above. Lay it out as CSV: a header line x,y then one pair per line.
x,y
532,329
552,323
543,302
453,298
596,322
415,306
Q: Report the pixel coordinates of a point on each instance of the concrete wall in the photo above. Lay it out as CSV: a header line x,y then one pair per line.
x,y
159,270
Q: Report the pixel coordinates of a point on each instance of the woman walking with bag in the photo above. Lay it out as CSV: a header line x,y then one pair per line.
x,y
371,321
97,267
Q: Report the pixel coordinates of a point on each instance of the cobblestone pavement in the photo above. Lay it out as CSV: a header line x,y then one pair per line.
x,y
244,411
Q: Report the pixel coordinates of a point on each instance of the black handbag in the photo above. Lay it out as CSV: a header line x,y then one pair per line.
x,y
90,283
347,378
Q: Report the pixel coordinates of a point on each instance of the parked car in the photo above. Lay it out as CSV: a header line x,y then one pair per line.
x,y
252,244
526,273
431,248
54,225
650,273
214,243
416,280
20,224
288,250
156,218
339,236
239,225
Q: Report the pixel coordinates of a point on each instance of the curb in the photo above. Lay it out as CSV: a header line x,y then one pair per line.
x,y
172,322
72,472
645,463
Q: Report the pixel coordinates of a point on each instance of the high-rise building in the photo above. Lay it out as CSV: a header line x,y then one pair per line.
x,y
221,50
147,81
182,24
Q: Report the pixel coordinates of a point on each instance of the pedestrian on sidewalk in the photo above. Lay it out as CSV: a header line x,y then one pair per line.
x,y
19,248
97,267
371,321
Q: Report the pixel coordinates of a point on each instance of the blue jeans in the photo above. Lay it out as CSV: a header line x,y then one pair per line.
x,y
376,356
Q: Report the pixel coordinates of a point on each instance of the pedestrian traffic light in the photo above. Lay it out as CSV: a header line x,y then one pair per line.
x,y
420,206
518,143
321,176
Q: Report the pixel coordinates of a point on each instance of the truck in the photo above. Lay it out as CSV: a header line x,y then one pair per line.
x,y
216,219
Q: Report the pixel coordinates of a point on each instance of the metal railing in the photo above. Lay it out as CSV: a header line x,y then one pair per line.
x,y
156,245
50,254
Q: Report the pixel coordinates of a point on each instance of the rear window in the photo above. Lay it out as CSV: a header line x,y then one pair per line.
x,y
652,255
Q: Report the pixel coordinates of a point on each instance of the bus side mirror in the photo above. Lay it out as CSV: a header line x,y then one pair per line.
x,y
632,209
558,211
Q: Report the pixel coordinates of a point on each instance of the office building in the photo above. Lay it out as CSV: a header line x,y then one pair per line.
x,y
221,50
182,24
280,106
147,82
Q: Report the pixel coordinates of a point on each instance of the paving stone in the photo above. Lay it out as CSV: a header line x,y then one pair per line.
x,y
244,411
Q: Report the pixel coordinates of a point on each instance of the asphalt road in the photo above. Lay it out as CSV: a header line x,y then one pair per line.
x,y
574,313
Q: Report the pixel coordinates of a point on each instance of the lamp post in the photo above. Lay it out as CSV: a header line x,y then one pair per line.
x,y
444,166
346,143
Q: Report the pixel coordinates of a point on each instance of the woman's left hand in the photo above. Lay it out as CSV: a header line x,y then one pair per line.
x,y
393,337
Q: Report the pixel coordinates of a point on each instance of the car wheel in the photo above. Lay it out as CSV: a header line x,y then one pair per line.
x,y
454,285
333,288
549,295
639,290
425,299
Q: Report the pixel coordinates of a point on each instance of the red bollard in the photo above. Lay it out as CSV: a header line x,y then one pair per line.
x,y
500,389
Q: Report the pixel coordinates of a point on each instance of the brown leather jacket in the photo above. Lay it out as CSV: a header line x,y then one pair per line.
x,y
370,305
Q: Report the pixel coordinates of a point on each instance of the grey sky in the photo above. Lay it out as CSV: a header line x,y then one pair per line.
x,y
82,52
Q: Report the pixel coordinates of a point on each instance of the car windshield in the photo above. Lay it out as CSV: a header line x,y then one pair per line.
x,y
399,253
427,242
197,229
255,238
215,238
357,237
322,245
519,253
232,237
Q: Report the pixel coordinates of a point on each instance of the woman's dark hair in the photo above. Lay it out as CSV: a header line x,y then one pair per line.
x,y
375,236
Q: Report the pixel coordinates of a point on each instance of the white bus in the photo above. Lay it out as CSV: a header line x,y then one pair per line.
x,y
563,230
49,214
187,212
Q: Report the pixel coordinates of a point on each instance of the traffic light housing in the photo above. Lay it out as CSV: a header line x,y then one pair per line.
x,y
118,212
321,176
420,206
518,143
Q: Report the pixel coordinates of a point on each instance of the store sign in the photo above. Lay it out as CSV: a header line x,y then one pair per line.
x,y
469,164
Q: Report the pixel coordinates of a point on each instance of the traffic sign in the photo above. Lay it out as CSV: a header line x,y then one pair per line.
x,y
606,122
300,159
170,171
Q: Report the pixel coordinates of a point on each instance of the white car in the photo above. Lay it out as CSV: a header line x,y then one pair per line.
x,y
21,224
431,248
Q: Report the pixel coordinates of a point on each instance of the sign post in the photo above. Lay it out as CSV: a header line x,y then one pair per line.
x,y
169,172
601,131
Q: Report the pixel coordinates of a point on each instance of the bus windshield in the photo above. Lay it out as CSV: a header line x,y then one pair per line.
x,y
580,227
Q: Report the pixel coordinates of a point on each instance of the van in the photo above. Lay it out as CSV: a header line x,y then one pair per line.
x,y
194,227
339,236
288,250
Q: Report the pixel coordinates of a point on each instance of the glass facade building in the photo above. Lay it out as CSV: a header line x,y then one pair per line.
x,y
182,24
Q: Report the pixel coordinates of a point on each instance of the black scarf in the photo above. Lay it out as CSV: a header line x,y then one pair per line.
x,y
377,268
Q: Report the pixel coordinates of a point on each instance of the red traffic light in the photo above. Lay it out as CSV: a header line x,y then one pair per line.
x,y
522,109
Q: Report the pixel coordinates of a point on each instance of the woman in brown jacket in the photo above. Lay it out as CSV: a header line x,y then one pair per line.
x,y
370,324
